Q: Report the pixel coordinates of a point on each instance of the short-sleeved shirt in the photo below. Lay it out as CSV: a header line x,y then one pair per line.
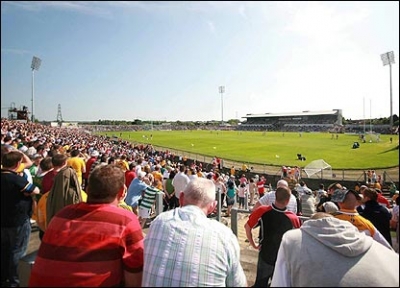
x,y
274,222
135,191
88,245
269,198
16,206
185,248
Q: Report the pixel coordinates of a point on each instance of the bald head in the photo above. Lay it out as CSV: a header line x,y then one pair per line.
x,y
282,183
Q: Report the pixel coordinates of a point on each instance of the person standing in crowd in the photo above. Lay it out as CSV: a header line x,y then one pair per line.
x,y
243,191
348,200
220,187
65,190
46,166
168,201
135,191
98,163
148,199
302,189
308,203
130,174
260,186
230,195
16,210
269,198
88,165
392,189
93,244
252,190
210,255
320,192
328,197
329,252
78,164
179,182
274,221
36,159
382,200
376,213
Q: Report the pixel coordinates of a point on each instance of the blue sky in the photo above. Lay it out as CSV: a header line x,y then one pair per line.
x,y
165,60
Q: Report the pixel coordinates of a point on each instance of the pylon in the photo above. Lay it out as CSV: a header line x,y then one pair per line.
x,y
59,115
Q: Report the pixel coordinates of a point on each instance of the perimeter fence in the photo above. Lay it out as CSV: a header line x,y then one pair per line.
x,y
388,175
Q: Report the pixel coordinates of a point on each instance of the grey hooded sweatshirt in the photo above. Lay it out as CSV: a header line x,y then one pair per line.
x,y
330,252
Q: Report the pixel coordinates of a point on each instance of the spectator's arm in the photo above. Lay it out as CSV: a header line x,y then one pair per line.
x,y
26,160
249,236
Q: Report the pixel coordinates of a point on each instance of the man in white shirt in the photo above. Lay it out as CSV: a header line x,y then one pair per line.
x,y
269,198
180,182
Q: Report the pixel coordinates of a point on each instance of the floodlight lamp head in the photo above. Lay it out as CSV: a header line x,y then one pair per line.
x,y
36,63
387,58
221,89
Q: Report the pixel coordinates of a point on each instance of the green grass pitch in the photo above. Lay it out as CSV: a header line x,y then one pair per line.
x,y
275,148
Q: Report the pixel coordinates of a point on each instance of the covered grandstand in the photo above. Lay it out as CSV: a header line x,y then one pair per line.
x,y
300,121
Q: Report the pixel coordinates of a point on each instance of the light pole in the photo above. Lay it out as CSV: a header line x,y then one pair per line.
x,y
222,90
35,66
388,59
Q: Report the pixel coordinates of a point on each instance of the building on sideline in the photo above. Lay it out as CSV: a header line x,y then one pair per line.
x,y
330,120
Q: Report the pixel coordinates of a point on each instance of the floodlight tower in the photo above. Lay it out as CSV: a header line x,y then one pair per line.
x,y
222,90
388,59
35,66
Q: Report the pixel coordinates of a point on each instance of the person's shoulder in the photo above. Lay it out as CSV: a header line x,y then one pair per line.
x,y
219,227
290,235
163,218
117,211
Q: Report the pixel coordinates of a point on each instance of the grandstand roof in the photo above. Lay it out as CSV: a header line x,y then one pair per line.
x,y
303,113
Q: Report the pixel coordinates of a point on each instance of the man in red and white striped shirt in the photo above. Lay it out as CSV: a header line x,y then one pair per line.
x,y
93,244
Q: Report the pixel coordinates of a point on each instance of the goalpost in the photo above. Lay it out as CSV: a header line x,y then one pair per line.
x,y
372,137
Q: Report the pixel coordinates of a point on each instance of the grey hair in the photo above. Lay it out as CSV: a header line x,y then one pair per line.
x,y
199,191
282,183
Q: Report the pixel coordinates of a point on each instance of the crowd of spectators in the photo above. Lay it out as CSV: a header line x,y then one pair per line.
x,y
83,188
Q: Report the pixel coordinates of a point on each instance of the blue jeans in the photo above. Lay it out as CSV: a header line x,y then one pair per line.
x,y
14,243
264,273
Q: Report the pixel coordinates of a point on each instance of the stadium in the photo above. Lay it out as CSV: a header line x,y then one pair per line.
x,y
330,120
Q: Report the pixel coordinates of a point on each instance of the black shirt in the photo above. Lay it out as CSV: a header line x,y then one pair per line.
x,y
16,207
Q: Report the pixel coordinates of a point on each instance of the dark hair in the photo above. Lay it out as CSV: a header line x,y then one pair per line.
x,y
75,153
59,159
172,174
46,164
11,159
371,194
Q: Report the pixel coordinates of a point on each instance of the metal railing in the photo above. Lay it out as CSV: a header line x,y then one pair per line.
x,y
234,212
234,218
